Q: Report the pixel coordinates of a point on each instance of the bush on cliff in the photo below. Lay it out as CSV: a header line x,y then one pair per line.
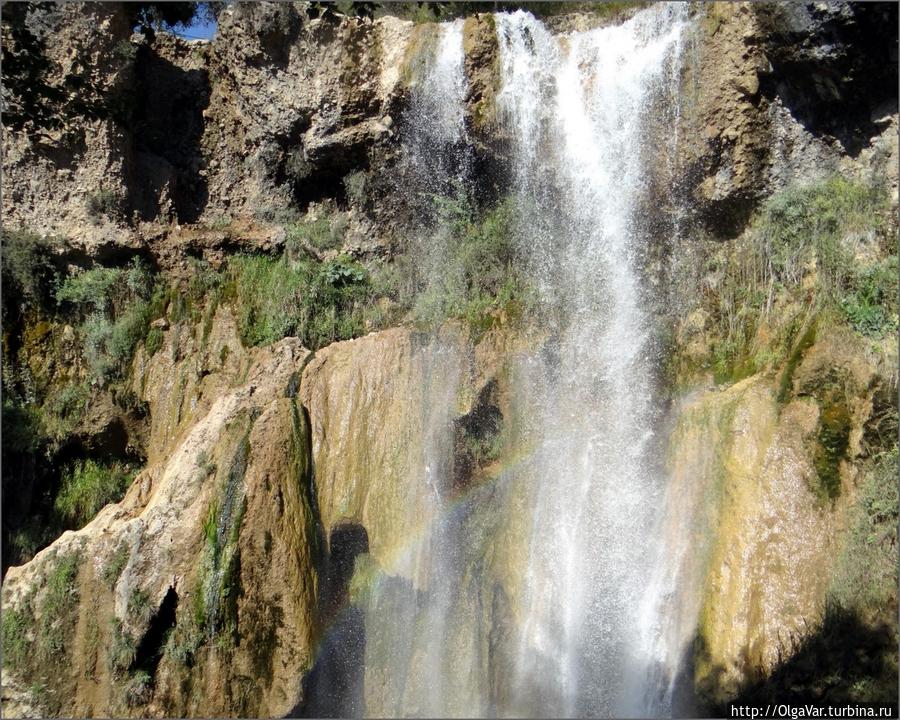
x,y
317,302
478,275
117,305
87,486
802,260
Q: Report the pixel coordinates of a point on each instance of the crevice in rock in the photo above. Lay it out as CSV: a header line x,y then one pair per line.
x,y
476,437
168,127
150,649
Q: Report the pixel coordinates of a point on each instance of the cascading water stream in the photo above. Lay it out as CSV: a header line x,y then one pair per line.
x,y
575,108
595,582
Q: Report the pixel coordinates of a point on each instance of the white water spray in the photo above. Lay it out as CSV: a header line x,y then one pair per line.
x,y
588,628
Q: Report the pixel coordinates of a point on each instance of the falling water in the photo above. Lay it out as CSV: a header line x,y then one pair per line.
x,y
576,107
594,585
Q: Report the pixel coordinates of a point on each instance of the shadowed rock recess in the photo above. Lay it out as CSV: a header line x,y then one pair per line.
x,y
452,359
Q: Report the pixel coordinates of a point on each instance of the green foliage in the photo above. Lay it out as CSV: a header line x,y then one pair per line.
x,y
318,302
90,288
64,410
16,628
22,427
154,341
479,276
116,564
870,303
325,232
809,223
87,487
139,689
187,637
58,607
139,605
122,649
866,577
798,252
27,267
119,305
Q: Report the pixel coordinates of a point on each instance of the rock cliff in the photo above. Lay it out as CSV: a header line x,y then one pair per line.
x,y
283,482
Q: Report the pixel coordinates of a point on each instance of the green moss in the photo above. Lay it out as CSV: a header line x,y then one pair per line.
x,y
831,448
58,608
112,570
218,575
787,374
17,627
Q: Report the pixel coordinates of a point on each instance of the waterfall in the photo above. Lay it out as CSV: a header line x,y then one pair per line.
x,y
595,586
576,108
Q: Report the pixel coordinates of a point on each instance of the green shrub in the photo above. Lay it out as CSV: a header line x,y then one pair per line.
x,y
63,411
139,605
870,303
27,267
139,689
326,232
109,344
22,426
317,302
91,288
118,305
122,650
154,341
799,230
809,222
479,274
87,487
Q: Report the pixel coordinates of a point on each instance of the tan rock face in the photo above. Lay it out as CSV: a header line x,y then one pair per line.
x,y
745,470
224,505
769,543
200,593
